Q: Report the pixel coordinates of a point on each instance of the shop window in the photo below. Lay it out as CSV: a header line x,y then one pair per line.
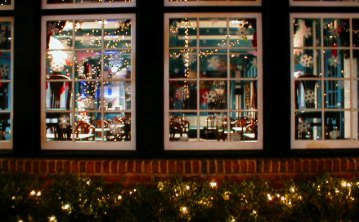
x,y
212,2
6,82
213,81
324,2
325,54
88,82
48,4
6,4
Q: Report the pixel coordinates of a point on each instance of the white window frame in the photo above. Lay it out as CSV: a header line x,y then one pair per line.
x,y
213,145
323,143
322,3
7,144
88,145
213,3
46,5
8,7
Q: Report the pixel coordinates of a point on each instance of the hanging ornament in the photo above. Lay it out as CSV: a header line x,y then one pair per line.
x,y
182,93
212,96
306,60
64,121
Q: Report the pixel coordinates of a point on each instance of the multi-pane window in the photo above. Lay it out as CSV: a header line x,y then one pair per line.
x,y
88,82
213,81
6,83
87,3
324,2
211,2
325,54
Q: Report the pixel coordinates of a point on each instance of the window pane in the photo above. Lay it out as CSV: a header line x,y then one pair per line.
x,y
211,2
5,127
5,65
324,82
212,79
5,96
88,3
5,2
59,126
5,37
89,78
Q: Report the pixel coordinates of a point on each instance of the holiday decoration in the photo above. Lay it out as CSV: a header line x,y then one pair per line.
x,y
306,60
4,71
182,93
64,121
333,61
309,96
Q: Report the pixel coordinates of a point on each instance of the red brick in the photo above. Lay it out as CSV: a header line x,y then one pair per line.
x,y
236,166
260,166
155,166
268,166
196,167
147,165
283,166
290,166
98,167
106,167
204,166
344,165
20,166
27,166
337,165
228,166
43,166
82,165
275,166
328,165
180,166
59,166
51,166
138,179
90,167
306,166
5,165
212,167
298,166
252,166
220,168
117,166
36,166
351,164
163,166
171,166
130,166
75,166
67,167
139,166
187,166
314,166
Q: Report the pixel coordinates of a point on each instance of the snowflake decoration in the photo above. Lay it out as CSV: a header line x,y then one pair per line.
x,y
182,93
212,96
64,121
309,96
303,30
4,71
302,127
306,60
333,61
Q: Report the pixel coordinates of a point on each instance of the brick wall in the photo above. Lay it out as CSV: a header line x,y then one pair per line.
x,y
147,170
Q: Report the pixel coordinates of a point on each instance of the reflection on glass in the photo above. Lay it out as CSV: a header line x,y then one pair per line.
x,y
5,126
117,96
5,35
117,33
117,64
5,64
337,125
336,32
183,95
308,126
183,32
308,94
243,95
88,64
212,32
117,127
213,94
183,126
213,63
58,126
242,32
307,63
243,63
87,95
183,63
88,34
